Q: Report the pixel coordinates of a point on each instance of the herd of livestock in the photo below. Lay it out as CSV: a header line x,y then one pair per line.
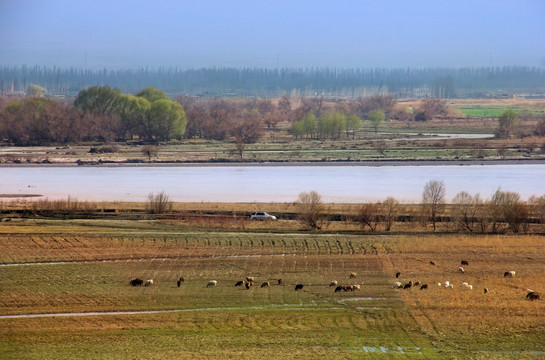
x,y
531,295
249,281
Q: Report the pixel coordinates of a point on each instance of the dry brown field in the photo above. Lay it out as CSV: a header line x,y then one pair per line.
x,y
78,271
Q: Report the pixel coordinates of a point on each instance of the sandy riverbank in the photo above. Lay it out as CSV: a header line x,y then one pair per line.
x,y
288,163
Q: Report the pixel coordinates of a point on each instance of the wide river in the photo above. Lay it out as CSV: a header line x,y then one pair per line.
x,y
342,184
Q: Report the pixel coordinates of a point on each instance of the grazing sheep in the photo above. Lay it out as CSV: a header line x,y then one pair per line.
x,y
356,287
416,283
333,283
398,274
470,287
180,281
148,282
446,283
339,288
266,284
136,282
408,285
451,286
532,295
463,262
239,283
212,283
397,285
439,284
298,287
424,286
461,269
250,278
280,281
465,284
432,263
486,291
352,275
509,274
249,284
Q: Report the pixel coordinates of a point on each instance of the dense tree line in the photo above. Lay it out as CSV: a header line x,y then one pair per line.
x,y
264,82
98,114
102,113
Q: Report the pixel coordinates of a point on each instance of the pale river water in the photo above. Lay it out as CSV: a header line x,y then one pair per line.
x,y
342,184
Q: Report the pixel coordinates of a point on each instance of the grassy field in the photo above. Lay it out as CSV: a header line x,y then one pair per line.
x,y
495,111
84,266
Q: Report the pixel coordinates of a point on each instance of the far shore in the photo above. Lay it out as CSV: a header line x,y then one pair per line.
x,y
285,163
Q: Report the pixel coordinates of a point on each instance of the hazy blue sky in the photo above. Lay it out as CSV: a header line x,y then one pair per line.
x,y
335,33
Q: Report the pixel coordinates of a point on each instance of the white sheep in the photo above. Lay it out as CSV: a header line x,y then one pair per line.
x,y
447,284
212,283
333,283
461,269
509,274
439,284
470,287
465,284
397,285
148,282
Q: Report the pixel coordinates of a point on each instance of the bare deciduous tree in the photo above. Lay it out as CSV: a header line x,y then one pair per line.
x,y
506,206
381,146
390,210
240,145
465,210
385,103
310,208
149,151
159,203
369,215
431,107
433,199
537,208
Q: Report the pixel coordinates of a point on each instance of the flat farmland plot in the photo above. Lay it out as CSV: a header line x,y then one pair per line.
x,y
74,300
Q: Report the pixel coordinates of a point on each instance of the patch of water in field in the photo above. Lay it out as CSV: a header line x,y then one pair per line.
x,y
342,184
